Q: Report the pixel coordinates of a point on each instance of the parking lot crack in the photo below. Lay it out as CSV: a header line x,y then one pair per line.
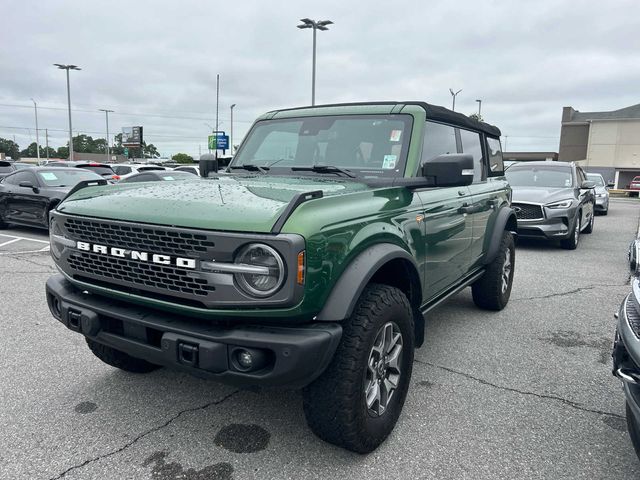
x,y
567,402
144,434
571,292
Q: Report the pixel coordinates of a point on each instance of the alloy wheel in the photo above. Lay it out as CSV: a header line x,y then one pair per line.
x,y
383,369
506,270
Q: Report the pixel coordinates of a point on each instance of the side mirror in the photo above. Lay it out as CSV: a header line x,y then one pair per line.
x,y
588,184
208,164
450,170
27,184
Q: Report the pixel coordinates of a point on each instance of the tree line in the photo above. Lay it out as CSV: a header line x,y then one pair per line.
x,y
81,144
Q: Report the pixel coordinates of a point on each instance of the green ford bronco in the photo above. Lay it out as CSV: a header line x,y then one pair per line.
x,y
310,262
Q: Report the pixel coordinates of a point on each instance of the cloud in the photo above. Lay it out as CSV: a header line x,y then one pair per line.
x,y
155,62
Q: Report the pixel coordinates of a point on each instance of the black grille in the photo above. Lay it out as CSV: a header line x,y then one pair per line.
x,y
173,280
633,316
139,238
524,211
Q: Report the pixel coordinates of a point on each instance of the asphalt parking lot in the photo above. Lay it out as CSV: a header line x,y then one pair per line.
x,y
523,393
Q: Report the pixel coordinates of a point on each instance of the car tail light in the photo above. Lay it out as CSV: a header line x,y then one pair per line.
x,y
116,177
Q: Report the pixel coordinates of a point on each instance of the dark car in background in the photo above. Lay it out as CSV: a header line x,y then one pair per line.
x,y
552,200
27,195
102,169
6,168
158,176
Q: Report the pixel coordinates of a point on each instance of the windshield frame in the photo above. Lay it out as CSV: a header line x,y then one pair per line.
x,y
405,143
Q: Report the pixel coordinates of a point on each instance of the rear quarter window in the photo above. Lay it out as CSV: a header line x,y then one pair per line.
x,y
496,162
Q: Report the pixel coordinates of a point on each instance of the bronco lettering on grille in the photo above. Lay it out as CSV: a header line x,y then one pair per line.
x,y
137,255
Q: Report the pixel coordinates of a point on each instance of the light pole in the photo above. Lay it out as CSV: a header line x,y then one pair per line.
x,y
321,25
479,108
231,133
35,106
454,95
106,113
67,68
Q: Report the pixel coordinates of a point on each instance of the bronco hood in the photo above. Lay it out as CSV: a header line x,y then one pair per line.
x,y
231,203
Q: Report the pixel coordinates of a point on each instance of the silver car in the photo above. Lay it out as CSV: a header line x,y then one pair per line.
x,y
602,194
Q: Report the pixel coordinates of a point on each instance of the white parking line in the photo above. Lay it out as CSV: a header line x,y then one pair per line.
x,y
10,241
29,239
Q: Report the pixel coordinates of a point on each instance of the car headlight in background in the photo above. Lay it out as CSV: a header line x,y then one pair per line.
x,y
268,266
561,204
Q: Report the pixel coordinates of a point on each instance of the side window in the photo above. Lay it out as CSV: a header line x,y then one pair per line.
x,y
471,145
16,178
496,165
438,139
121,169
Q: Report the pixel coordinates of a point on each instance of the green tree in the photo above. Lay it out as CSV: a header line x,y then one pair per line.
x,y
182,158
147,151
63,152
30,151
9,148
52,152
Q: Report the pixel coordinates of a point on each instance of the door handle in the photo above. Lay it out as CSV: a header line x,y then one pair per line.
x,y
466,208
461,193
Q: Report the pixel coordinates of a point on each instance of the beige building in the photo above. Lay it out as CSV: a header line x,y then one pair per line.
x,y
603,142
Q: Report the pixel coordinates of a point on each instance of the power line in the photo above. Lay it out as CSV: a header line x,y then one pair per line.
x,y
101,133
129,114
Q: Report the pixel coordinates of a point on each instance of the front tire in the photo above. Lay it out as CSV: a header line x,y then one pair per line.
x,y
119,359
571,243
493,289
592,220
356,402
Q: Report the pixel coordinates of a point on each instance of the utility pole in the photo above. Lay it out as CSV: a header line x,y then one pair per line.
x,y
46,136
231,134
454,95
106,113
35,106
479,108
321,25
217,104
67,68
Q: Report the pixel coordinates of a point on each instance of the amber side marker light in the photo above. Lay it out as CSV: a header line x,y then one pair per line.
x,y
300,276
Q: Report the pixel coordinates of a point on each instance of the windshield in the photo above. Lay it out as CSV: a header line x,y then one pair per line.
x,y
548,177
367,146
594,177
65,178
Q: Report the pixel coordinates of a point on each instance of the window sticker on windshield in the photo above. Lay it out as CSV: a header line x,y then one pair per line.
x,y
389,162
168,178
567,182
395,136
49,176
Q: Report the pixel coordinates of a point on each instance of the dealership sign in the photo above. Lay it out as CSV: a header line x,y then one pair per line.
x,y
132,136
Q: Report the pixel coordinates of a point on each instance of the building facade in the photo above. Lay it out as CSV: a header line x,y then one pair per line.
x,y
603,142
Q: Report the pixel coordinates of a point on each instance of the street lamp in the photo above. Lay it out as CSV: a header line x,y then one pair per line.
x,y
321,25
35,106
106,113
231,134
67,68
454,95
479,108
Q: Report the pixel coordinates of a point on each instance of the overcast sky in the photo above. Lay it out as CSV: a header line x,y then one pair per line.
x,y
155,62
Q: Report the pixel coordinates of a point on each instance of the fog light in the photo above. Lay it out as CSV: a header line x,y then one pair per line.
x,y
245,359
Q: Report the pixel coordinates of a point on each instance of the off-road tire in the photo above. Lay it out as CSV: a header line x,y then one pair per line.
x,y
571,243
634,430
589,228
119,359
335,404
487,291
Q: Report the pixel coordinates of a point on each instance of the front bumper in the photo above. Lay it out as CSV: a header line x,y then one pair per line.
x,y
554,224
626,358
294,356
602,204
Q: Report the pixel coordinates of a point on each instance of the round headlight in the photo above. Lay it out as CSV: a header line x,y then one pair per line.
x,y
269,274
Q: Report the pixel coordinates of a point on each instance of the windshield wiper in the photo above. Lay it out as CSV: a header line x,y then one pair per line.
x,y
324,169
250,167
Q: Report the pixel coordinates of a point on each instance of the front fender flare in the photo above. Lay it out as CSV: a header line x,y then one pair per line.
x,y
347,290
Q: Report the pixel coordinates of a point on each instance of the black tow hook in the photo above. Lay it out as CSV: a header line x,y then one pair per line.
x,y
188,354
